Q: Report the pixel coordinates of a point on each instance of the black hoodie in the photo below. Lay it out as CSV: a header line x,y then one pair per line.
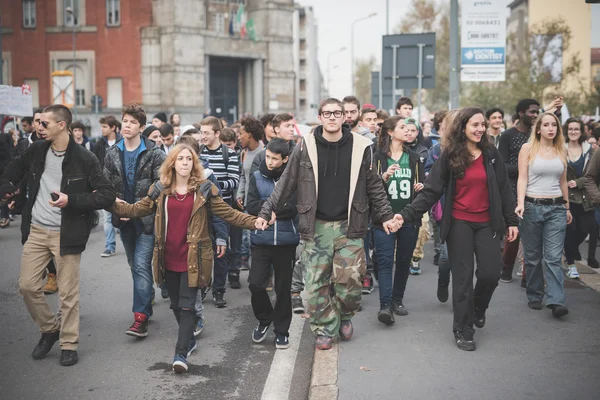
x,y
334,160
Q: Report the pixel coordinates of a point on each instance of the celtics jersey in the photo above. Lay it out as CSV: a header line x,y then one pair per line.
x,y
399,186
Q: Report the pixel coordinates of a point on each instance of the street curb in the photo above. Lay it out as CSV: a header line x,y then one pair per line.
x,y
323,381
588,276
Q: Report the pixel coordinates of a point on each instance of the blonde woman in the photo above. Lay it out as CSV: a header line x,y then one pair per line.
x,y
183,253
543,206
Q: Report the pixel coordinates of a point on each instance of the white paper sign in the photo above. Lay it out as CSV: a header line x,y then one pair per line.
x,y
483,40
16,100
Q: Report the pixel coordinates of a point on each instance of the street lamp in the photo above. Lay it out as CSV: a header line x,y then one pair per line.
x,y
70,11
352,47
329,67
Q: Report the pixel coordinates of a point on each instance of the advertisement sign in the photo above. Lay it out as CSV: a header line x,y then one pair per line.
x,y
483,40
16,100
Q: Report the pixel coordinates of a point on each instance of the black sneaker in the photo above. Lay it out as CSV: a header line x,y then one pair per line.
x,y
535,305
436,259
164,292
297,305
281,341
479,318
45,345
464,341
506,276
234,281
219,300
260,333
523,283
385,315
558,310
442,291
398,308
593,263
68,358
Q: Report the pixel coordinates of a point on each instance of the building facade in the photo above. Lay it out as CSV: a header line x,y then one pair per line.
x,y
198,57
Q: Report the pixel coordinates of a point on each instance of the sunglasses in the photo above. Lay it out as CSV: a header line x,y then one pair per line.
x,y
45,124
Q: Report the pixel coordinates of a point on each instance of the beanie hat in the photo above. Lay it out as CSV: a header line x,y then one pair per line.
x,y
161,116
148,130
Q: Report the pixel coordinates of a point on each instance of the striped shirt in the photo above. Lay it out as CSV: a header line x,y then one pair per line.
x,y
228,176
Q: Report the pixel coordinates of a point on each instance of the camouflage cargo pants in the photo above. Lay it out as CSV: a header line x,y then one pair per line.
x,y
332,258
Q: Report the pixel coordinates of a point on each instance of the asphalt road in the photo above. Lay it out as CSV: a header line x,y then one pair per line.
x,y
227,364
521,353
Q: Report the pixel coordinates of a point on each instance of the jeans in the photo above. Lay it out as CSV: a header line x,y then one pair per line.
x,y
138,249
220,272
4,211
465,239
246,243
298,274
543,234
282,260
183,300
437,240
444,264
234,252
402,244
584,223
109,232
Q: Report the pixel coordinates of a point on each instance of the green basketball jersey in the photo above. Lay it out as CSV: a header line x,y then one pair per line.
x,y
399,186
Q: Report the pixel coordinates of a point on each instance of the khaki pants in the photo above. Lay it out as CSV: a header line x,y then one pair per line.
x,y
424,236
41,246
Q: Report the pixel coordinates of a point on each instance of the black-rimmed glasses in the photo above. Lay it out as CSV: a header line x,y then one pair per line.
x,y
327,114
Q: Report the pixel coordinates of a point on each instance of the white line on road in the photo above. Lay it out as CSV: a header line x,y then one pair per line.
x,y
280,376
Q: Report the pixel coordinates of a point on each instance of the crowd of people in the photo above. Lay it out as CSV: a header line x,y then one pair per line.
x,y
327,213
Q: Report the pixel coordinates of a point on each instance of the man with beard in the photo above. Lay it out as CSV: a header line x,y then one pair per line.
x,y
352,116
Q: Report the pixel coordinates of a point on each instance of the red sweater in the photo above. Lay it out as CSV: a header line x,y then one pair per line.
x,y
471,198
176,246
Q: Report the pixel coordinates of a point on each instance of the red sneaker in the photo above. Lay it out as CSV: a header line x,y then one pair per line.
x,y
139,327
367,286
346,330
323,342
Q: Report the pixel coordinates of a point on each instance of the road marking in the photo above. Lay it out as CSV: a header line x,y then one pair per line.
x,y
280,376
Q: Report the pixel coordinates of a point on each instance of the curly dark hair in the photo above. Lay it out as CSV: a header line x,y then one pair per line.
x,y
454,142
254,127
136,111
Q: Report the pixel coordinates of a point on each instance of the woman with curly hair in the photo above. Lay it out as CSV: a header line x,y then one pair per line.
x,y
183,255
478,206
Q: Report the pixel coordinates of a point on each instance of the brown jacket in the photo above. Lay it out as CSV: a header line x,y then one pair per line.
x,y
302,176
591,179
200,252
579,194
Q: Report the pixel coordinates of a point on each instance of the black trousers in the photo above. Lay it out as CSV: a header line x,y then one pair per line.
x,y
464,240
584,223
183,301
282,259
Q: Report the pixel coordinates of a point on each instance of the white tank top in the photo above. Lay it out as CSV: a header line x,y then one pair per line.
x,y
544,177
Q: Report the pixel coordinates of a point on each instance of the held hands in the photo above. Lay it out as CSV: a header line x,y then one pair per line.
x,y
572,184
120,201
393,224
262,223
513,232
61,202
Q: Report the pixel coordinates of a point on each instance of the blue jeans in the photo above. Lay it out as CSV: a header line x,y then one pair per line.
x,y
543,235
220,272
246,243
109,232
138,249
403,244
444,262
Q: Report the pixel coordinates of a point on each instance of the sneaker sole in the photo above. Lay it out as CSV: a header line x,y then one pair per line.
x,y
136,334
197,333
179,367
298,310
385,319
506,280
466,348
50,292
106,255
282,346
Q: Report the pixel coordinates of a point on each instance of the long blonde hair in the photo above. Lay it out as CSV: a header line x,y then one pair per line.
x,y
168,174
558,141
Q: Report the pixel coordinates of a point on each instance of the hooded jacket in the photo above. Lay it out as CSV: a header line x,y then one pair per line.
x,y
285,230
301,176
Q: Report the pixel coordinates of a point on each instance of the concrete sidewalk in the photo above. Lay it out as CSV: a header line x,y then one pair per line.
x,y
520,354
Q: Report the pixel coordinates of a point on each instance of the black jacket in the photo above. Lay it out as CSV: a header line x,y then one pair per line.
x,y
441,181
101,147
417,172
82,180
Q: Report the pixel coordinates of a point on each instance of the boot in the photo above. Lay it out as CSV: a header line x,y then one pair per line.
x,y
51,286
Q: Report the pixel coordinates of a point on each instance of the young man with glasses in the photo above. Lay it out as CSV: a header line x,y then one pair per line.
x,y
65,185
332,175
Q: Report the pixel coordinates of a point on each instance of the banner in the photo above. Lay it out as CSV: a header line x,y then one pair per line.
x,y
16,100
483,40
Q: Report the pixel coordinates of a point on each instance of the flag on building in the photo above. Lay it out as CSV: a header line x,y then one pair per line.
x,y
251,30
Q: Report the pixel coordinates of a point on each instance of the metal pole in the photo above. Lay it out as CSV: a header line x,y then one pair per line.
x,y
380,87
74,70
394,72
420,81
387,17
454,60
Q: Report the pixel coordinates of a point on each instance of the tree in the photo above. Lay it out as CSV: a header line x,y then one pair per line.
x,y
362,79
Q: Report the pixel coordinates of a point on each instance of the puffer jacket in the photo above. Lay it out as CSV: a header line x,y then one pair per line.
x,y
285,230
579,195
301,177
200,251
146,173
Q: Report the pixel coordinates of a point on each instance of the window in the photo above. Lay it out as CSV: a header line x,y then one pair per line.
x,y
80,97
71,18
113,12
28,13
218,22
114,88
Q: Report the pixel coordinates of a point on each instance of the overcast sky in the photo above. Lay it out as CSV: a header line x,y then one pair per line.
x,y
334,33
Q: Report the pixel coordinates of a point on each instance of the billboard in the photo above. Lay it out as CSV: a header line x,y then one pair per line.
x,y
483,40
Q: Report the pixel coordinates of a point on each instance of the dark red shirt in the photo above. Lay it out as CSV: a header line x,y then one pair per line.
x,y
471,198
176,246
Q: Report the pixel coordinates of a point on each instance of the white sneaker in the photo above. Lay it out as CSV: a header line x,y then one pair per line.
x,y
572,272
